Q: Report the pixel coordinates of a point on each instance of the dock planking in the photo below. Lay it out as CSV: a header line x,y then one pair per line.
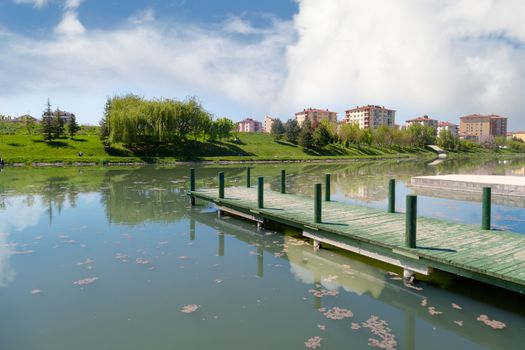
x,y
493,257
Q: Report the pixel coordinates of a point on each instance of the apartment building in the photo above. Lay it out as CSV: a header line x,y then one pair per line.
x,y
453,128
315,116
371,117
249,125
483,126
267,124
424,121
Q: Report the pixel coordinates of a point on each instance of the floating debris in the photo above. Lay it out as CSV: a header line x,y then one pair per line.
x,y
85,281
323,292
313,342
459,323
23,252
36,291
163,242
183,257
337,313
141,261
330,278
424,302
491,323
188,309
411,286
121,257
218,280
432,311
380,328
321,327
355,326
456,306
86,262
278,254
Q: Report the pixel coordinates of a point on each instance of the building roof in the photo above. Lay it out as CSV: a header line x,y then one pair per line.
x,y
442,124
490,116
424,118
368,107
314,110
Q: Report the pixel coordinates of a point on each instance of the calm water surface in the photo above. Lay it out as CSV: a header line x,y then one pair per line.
x,y
109,258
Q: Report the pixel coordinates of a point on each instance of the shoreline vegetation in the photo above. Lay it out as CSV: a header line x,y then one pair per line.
x,y
135,131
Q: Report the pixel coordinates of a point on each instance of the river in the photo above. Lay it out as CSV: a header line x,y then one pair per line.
x,y
115,258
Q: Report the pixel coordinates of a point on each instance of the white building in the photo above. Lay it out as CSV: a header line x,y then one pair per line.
x,y
453,128
424,121
267,124
249,125
371,117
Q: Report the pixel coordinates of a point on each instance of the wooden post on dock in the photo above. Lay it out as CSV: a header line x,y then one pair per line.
x,y
411,221
392,196
317,204
327,188
248,175
192,186
486,210
260,192
283,181
221,185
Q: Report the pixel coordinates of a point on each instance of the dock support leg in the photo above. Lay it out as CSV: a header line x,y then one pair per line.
x,y
260,225
411,221
248,175
392,196
192,186
327,188
283,181
408,276
317,204
260,192
485,221
221,185
219,213
317,245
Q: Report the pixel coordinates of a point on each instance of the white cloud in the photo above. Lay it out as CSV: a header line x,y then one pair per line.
x,y
36,3
439,58
70,24
72,4
142,17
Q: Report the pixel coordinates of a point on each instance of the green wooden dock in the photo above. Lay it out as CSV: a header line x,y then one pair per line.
x,y
493,257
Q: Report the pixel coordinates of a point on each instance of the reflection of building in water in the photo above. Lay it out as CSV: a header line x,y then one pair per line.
x,y
369,192
7,274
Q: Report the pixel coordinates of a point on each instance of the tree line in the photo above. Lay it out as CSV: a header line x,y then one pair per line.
x,y
351,134
133,120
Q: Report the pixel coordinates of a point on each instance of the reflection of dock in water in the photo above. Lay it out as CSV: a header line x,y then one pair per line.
x,y
358,277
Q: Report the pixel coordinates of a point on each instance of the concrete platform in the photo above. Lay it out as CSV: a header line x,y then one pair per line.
x,y
501,185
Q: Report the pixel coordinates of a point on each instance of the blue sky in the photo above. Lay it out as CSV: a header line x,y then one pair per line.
x,y
269,57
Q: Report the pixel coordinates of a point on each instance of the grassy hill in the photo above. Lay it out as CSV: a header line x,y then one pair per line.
x,y
28,149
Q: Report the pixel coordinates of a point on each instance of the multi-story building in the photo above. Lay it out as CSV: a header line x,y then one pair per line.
x,y
483,126
424,121
249,125
517,135
453,128
65,116
267,124
315,116
371,117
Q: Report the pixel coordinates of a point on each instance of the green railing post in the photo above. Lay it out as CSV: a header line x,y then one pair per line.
x,y
221,185
317,204
411,221
283,181
327,188
248,175
260,192
192,186
391,196
486,211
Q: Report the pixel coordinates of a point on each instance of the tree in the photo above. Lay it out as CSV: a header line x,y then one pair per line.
x,y
421,136
58,125
277,129
29,123
104,125
306,139
367,137
383,135
447,141
47,129
321,135
292,130
72,126
224,128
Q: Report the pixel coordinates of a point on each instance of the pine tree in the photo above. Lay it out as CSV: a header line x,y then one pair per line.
x,y
72,126
306,139
277,130
47,124
292,130
321,135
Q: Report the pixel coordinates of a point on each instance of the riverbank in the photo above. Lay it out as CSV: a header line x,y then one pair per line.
x,y
88,150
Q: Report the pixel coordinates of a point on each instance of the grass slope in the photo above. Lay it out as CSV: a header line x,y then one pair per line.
x,y
251,146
